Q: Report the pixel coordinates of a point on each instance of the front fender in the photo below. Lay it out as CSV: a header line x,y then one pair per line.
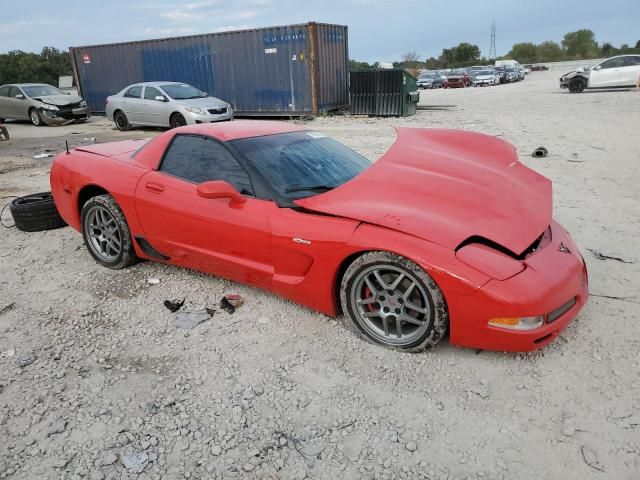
x,y
451,275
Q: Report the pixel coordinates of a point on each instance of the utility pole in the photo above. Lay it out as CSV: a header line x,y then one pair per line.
x,y
492,48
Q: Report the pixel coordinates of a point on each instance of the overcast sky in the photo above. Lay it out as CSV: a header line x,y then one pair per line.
x,y
379,30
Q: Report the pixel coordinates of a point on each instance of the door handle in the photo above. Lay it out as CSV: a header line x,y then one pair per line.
x,y
154,187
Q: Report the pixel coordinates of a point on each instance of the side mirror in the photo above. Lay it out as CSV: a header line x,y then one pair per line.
x,y
20,96
160,98
220,189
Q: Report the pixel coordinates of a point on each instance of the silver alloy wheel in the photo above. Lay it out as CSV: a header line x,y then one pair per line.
x,y
35,118
391,305
103,233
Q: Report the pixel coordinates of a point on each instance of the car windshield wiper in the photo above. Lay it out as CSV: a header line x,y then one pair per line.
x,y
322,188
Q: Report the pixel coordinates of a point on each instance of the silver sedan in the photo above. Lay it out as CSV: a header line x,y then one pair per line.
x,y
42,104
164,104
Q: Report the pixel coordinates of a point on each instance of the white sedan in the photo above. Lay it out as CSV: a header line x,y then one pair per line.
x,y
615,72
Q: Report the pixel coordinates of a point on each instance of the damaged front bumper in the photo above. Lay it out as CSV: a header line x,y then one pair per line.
x,y
554,286
63,115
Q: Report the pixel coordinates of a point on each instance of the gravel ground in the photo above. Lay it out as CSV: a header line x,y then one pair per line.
x,y
97,382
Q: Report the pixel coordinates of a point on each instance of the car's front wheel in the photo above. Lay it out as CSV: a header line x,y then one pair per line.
x,y
391,301
35,117
106,233
177,121
577,85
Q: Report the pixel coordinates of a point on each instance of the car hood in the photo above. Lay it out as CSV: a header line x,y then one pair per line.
x,y
484,77
447,186
206,102
455,77
60,100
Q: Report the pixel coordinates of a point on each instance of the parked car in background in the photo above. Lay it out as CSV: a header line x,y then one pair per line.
x,y
621,71
539,68
164,104
485,77
41,103
429,80
456,79
502,71
511,74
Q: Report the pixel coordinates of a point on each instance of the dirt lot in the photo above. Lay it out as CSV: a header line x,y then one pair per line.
x,y
92,368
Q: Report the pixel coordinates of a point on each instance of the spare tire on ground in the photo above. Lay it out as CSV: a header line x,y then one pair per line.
x,y
36,212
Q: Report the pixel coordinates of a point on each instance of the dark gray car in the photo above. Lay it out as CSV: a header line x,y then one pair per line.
x,y
41,103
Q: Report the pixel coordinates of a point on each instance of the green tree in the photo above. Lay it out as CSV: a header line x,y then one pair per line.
x,y
20,67
355,65
580,44
549,52
524,52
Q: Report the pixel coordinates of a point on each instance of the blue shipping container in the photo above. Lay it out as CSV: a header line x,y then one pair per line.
x,y
290,70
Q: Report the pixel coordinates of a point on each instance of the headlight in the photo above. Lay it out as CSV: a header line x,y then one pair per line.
x,y
489,261
46,106
196,110
83,103
517,323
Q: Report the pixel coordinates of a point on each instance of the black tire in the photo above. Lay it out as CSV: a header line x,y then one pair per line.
x,y
36,212
126,255
435,319
121,121
577,85
177,121
35,117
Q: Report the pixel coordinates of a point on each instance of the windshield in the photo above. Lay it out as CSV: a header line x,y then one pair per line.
x,y
41,91
458,72
485,72
183,91
301,164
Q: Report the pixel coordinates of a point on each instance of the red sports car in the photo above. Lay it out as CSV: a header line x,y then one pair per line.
x,y
447,231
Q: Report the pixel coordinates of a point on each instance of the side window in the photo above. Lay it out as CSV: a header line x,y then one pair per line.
x,y
13,91
198,159
612,63
150,93
631,61
4,91
134,92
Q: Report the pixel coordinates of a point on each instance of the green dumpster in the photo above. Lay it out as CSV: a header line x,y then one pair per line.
x,y
383,93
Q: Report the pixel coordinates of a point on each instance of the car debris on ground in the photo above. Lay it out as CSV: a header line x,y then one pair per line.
x,y
4,133
231,302
602,256
174,305
189,319
540,152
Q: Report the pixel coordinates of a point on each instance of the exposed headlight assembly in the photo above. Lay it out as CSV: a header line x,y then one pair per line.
x,y
489,261
47,106
83,103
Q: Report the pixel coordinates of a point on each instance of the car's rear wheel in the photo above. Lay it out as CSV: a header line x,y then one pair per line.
x,y
35,117
177,120
577,85
121,121
106,233
391,301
